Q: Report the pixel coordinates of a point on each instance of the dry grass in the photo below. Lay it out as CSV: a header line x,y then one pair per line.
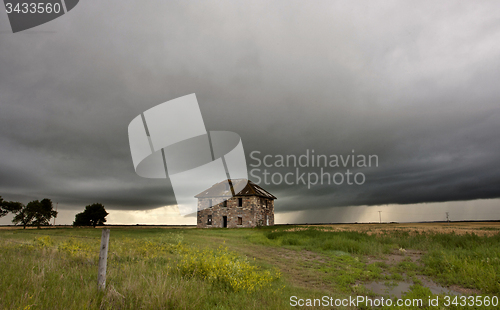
x,y
332,259
459,228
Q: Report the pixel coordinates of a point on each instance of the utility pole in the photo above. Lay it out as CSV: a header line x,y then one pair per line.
x,y
380,216
448,217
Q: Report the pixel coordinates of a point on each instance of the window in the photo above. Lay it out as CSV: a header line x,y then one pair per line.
x,y
224,203
240,220
240,202
209,220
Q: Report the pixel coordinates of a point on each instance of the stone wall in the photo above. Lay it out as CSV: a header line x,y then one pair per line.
x,y
265,214
253,212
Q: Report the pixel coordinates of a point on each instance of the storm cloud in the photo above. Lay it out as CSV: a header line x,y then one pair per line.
x,y
415,83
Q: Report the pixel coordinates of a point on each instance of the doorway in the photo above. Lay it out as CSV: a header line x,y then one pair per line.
x,y
224,221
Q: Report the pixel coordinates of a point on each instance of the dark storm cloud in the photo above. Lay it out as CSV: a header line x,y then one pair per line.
x,y
413,83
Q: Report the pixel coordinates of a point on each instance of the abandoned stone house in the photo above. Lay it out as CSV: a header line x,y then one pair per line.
x,y
220,206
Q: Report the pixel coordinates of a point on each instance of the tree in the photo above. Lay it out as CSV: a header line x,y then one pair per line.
x,y
43,212
93,215
9,206
35,213
23,217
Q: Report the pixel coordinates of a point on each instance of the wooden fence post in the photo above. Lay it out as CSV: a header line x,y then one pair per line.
x,y
103,258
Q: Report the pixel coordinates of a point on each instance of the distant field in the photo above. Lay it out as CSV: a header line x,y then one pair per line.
x,y
460,228
190,268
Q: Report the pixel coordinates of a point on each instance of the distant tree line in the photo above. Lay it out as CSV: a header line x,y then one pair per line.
x,y
35,213
38,213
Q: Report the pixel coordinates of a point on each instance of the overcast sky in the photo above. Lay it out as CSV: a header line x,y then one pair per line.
x,y
413,82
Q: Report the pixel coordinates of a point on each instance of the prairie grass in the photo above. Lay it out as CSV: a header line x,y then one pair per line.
x,y
148,271
468,260
159,268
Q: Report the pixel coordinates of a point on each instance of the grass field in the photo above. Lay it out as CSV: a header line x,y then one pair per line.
x,y
188,268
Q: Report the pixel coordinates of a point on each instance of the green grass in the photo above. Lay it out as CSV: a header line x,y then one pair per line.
x,y
468,260
147,269
159,268
333,242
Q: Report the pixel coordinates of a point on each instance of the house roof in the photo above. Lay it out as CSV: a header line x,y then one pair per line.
x,y
248,189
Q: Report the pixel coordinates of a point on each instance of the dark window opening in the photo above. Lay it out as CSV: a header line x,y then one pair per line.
x,y
224,203
240,220
240,202
209,220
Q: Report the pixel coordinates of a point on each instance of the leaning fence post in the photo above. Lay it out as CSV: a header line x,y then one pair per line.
x,y
103,258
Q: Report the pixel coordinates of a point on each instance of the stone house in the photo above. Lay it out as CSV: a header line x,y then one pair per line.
x,y
220,206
